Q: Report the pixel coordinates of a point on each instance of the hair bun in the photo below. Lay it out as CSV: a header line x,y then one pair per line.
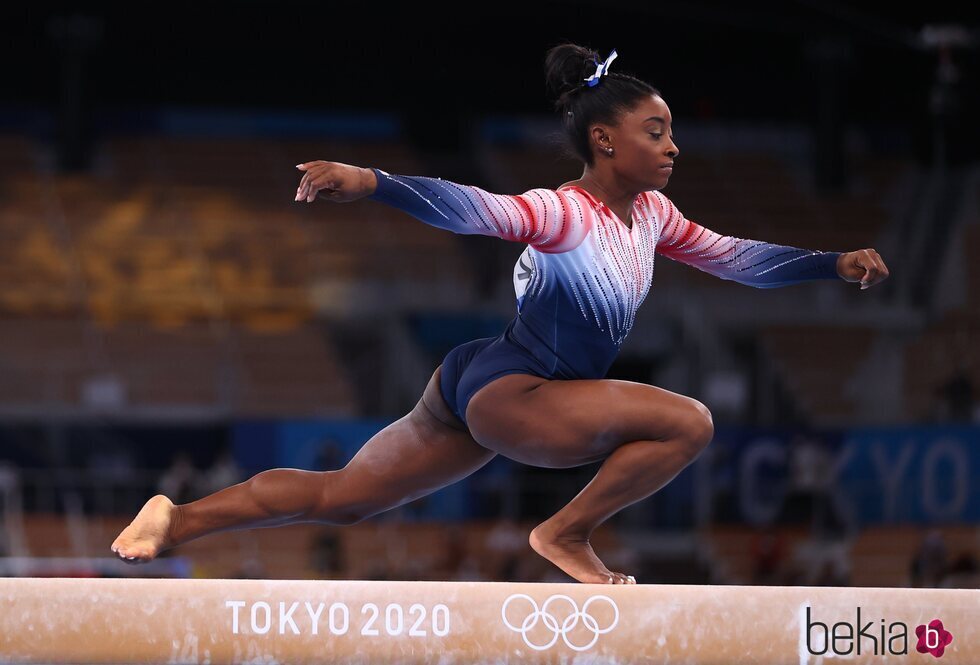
x,y
565,68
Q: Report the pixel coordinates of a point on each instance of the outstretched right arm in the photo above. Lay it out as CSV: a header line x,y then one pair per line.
x,y
548,220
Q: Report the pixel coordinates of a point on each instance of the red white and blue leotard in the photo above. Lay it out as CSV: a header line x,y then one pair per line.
x,y
585,273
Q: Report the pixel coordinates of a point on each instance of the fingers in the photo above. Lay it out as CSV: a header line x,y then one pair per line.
x,y
874,266
303,190
314,185
313,180
870,270
882,268
304,185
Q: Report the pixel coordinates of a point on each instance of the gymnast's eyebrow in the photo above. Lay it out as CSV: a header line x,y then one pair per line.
x,y
655,117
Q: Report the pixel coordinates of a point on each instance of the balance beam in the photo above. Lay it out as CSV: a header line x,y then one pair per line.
x,y
216,622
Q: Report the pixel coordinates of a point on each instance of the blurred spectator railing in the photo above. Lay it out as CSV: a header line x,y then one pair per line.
x,y
91,567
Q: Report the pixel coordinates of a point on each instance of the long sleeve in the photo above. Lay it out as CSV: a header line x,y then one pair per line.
x,y
751,262
548,220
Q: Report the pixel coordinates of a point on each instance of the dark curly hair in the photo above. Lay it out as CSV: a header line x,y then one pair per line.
x,y
566,66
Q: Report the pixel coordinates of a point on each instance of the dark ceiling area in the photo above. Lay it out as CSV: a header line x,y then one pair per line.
x,y
755,59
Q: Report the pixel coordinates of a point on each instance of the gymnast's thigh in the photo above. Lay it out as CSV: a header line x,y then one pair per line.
x,y
562,423
414,456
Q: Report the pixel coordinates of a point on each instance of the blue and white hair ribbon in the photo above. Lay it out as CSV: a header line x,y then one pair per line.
x,y
601,69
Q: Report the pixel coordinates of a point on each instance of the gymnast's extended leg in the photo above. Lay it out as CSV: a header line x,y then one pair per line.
x,y
645,434
416,455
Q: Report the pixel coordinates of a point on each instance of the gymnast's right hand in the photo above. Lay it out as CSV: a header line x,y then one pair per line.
x,y
337,182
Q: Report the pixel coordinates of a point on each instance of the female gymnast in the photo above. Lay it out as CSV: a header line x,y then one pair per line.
x,y
536,392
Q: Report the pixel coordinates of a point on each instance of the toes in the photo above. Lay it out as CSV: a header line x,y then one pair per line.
x,y
617,578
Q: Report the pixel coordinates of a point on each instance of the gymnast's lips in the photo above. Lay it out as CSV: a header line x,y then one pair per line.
x,y
669,167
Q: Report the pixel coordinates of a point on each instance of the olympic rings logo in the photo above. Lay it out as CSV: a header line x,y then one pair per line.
x,y
551,621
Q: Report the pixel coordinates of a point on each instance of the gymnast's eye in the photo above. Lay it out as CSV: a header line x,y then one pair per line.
x,y
655,135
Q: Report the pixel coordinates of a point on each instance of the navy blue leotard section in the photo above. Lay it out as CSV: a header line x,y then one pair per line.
x,y
474,364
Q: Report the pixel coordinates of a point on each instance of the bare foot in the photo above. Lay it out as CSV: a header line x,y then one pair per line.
x,y
149,533
574,555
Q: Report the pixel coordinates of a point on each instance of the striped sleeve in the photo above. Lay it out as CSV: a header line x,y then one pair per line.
x,y
751,262
548,220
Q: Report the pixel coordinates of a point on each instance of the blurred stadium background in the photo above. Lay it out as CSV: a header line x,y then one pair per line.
x,y
172,321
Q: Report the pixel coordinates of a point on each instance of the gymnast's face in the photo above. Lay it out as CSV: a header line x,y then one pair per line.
x,y
642,144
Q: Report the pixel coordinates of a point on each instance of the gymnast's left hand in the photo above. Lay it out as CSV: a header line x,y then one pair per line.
x,y
864,265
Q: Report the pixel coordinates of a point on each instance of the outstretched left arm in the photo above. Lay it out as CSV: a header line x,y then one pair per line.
x,y
756,263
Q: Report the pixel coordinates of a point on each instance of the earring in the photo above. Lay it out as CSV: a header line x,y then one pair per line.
x,y
609,150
